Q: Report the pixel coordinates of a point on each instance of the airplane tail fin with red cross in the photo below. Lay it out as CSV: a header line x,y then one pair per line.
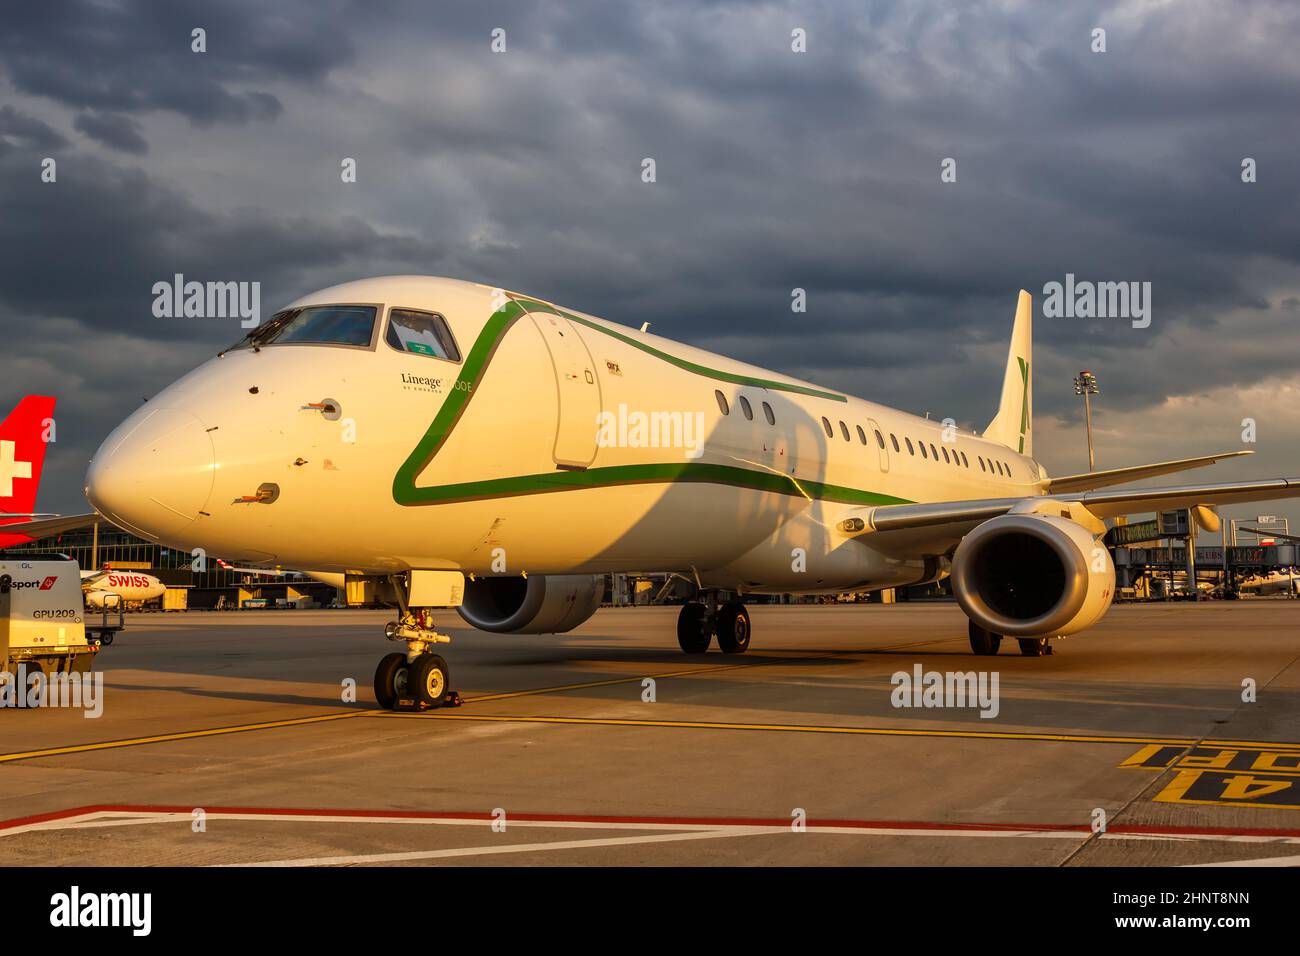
x,y
23,438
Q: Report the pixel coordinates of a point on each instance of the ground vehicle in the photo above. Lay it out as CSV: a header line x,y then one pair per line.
x,y
42,622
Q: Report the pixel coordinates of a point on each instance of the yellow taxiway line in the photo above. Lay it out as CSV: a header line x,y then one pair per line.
x,y
183,735
834,729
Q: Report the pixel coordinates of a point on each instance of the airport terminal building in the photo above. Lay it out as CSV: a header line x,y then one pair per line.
x,y
208,586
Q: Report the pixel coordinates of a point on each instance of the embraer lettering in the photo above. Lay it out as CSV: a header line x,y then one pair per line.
x,y
424,381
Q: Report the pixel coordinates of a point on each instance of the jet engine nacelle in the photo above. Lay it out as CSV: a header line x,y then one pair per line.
x,y
537,604
1033,575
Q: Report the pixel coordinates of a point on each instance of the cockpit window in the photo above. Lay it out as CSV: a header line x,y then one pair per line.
x,y
316,325
423,333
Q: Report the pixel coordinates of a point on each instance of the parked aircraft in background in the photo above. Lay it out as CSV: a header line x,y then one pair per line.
x,y
133,588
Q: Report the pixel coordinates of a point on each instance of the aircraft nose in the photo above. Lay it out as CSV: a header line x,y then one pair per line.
x,y
154,473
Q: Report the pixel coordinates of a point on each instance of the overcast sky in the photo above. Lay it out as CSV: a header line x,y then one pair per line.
x,y
775,169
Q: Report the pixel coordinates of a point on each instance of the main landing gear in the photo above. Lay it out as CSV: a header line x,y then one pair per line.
x,y
699,621
985,642
418,676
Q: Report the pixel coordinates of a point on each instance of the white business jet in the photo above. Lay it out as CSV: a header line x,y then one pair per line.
x,y
441,443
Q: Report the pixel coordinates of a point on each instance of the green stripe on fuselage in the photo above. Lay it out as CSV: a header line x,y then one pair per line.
x,y
406,492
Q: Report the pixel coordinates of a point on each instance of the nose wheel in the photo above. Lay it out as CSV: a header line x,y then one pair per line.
x,y
419,677
430,677
424,682
392,677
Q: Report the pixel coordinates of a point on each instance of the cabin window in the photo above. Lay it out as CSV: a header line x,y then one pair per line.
x,y
722,402
862,436
910,449
923,452
826,424
423,333
981,458
880,439
894,440
315,325
964,460
844,430
769,414
745,407
934,451
945,454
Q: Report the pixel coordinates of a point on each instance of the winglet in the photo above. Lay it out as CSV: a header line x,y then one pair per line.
x,y
1013,425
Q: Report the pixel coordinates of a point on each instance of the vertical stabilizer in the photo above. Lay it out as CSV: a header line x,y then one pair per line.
x,y
1013,425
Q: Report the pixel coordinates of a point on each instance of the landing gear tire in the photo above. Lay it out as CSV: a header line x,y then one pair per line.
x,y
106,638
983,641
732,628
429,678
392,679
1035,647
693,632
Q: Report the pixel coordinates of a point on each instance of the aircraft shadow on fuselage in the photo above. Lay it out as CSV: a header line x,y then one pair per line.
x,y
793,454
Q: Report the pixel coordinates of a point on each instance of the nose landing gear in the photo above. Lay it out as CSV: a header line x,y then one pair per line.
x,y
418,676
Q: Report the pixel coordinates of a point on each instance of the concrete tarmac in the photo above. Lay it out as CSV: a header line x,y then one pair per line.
x,y
1169,734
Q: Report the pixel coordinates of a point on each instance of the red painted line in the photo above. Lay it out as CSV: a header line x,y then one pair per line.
x,y
45,817
866,825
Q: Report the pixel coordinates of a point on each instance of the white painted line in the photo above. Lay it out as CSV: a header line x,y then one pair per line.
x,y
511,848
1203,837
1265,861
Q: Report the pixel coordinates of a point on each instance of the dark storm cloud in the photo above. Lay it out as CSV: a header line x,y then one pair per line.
x,y
138,56
113,130
775,170
21,132
108,234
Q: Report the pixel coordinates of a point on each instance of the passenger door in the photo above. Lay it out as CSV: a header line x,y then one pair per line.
x,y
578,388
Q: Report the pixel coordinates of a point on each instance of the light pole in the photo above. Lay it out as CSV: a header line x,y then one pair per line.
x,y
1085,384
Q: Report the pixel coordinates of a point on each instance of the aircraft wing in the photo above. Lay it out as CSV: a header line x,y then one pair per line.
x,y
947,521
44,527
1119,476
1110,504
268,572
